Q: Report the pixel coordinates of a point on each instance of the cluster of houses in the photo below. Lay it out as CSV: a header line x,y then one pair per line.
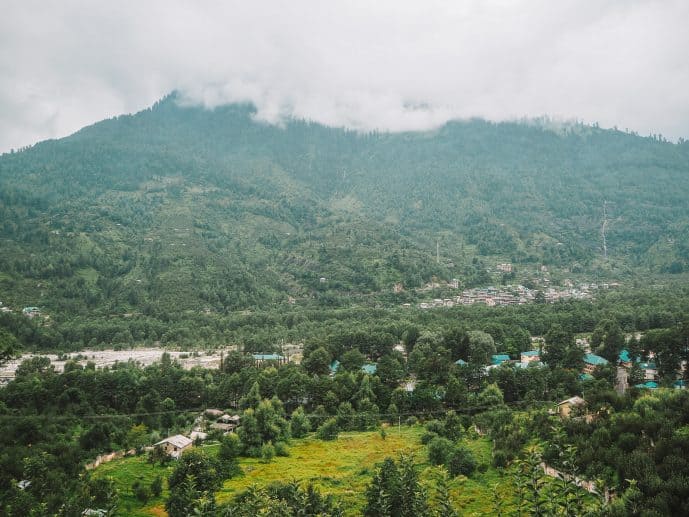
x,y
29,312
209,420
513,295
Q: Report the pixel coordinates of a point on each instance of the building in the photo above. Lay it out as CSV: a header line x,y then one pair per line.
x,y
564,408
592,361
31,312
530,356
175,445
268,358
650,371
505,268
369,368
498,359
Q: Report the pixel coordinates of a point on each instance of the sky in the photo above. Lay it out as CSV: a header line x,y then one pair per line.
x,y
385,65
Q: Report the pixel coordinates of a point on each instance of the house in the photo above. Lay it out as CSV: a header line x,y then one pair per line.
x,y
592,361
650,371
23,484
624,358
198,435
175,445
498,359
648,385
369,368
268,358
227,419
214,413
225,428
31,312
94,512
461,362
334,366
530,356
565,407
226,423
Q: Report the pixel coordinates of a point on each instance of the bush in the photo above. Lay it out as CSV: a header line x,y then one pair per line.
x,y
141,492
435,426
299,424
157,486
281,449
500,458
426,438
329,430
439,450
412,420
267,452
462,462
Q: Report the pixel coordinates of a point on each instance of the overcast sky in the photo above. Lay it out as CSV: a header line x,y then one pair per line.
x,y
394,65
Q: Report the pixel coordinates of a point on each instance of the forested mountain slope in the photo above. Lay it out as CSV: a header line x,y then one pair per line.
x,y
185,209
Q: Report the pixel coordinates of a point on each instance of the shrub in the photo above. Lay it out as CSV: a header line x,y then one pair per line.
x,y
141,491
439,450
281,449
157,486
329,430
427,437
500,458
462,462
267,452
412,420
299,424
435,426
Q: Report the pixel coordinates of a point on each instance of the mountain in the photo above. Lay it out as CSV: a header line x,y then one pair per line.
x,y
178,209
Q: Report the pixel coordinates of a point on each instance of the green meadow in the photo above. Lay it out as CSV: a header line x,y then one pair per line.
x,y
343,467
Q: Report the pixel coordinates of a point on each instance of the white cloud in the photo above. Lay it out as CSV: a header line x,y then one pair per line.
x,y
385,65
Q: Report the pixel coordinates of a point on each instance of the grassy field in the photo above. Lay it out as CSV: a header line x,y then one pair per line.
x,y
343,467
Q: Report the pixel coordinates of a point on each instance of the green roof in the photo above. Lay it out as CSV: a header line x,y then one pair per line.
x,y
334,365
595,360
649,385
532,353
585,377
499,358
369,368
461,362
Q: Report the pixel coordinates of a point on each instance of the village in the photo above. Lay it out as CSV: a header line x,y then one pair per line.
x,y
541,291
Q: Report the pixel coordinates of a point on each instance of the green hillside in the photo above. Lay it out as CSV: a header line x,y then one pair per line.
x,y
183,210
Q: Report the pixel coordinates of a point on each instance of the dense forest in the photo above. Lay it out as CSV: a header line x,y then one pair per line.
x,y
178,211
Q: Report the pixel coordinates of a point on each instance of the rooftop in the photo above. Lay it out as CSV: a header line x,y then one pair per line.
x,y
499,358
177,440
532,353
267,357
370,368
595,360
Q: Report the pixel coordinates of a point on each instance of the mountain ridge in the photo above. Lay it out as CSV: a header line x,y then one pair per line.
x,y
183,208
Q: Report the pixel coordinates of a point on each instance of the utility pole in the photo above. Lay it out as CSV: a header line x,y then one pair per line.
x,y
437,251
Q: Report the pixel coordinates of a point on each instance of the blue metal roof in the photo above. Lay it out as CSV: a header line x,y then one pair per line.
x,y
370,368
594,359
267,357
499,358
